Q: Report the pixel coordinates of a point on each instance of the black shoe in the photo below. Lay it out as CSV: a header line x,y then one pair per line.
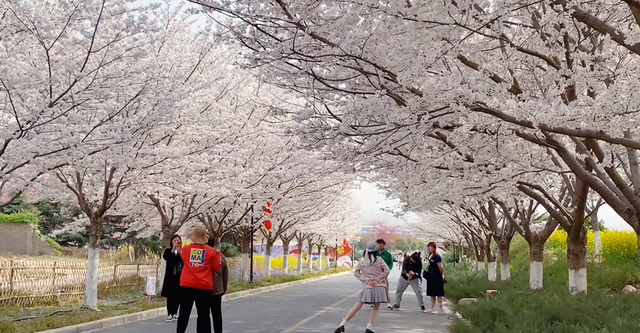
x,y
368,331
422,309
394,307
339,329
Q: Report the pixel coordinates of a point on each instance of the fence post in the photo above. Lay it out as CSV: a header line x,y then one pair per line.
x,y
53,277
138,272
157,277
115,275
11,277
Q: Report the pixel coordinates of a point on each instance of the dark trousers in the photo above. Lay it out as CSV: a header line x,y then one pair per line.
x,y
216,313
202,298
173,303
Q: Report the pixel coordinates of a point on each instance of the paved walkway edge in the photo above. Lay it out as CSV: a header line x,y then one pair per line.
x,y
159,312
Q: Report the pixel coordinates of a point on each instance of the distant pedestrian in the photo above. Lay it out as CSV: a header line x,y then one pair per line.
x,y
171,282
410,276
220,284
196,283
434,274
373,272
401,256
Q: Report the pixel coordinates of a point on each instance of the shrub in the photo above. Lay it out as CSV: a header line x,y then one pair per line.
x,y
548,311
22,217
54,245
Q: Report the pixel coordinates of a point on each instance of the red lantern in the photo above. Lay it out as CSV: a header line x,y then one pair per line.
x,y
268,225
267,211
269,204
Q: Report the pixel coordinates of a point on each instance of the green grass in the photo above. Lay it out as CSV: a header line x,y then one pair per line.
x,y
516,309
112,303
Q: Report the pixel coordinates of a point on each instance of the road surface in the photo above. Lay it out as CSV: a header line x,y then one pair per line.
x,y
311,307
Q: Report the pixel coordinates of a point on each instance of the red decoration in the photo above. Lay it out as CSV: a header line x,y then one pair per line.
x,y
268,225
269,204
345,243
343,251
267,211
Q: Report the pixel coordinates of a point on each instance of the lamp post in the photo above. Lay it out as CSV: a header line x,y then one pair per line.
x,y
251,249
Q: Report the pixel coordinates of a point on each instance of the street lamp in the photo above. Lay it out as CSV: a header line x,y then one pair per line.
x,y
251,248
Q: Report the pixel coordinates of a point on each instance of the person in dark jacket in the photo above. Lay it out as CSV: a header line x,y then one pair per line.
x,y
410,276
220,284
171,283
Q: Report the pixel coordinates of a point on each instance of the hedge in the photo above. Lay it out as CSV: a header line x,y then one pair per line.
x,y
27,217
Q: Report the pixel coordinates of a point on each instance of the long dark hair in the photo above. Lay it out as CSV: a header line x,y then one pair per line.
x,y
374,254
172,238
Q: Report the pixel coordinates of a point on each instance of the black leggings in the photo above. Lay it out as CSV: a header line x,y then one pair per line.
x,y
202,298
216,313
173,303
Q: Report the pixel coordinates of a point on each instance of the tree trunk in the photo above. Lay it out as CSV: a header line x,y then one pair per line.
x,y
536,265
638,240
93,265
478,251
299,268
597,237
321,258
492,271
285,257
310,257
577,256
267,258
505,261
163,263
245,255
218,241
326,254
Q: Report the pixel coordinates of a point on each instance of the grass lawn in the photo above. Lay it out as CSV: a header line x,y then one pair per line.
x,y
35,319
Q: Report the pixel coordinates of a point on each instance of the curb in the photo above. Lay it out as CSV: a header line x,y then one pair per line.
x,y
158,312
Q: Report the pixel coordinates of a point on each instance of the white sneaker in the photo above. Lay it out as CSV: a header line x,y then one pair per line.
x,y
436,310
175,317
169,319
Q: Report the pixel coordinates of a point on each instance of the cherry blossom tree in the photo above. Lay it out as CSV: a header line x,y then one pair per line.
x,y
58,63
557,75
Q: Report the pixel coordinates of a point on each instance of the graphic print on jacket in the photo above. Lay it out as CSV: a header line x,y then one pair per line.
x,y
201,261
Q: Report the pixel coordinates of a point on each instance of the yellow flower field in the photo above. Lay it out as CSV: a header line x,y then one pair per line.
x,y
620,246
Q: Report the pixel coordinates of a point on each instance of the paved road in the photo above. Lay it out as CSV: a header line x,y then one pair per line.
x,y
310,307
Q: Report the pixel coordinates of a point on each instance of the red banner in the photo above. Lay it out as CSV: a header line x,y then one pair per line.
x,y
343,250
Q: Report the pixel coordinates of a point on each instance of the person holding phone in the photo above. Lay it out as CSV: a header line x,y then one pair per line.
x,y
410,276
171,282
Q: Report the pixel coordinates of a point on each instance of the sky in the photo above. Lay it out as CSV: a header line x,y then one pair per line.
x,y
374,201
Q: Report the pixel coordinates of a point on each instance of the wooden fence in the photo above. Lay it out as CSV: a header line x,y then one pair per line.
x,y
27,283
